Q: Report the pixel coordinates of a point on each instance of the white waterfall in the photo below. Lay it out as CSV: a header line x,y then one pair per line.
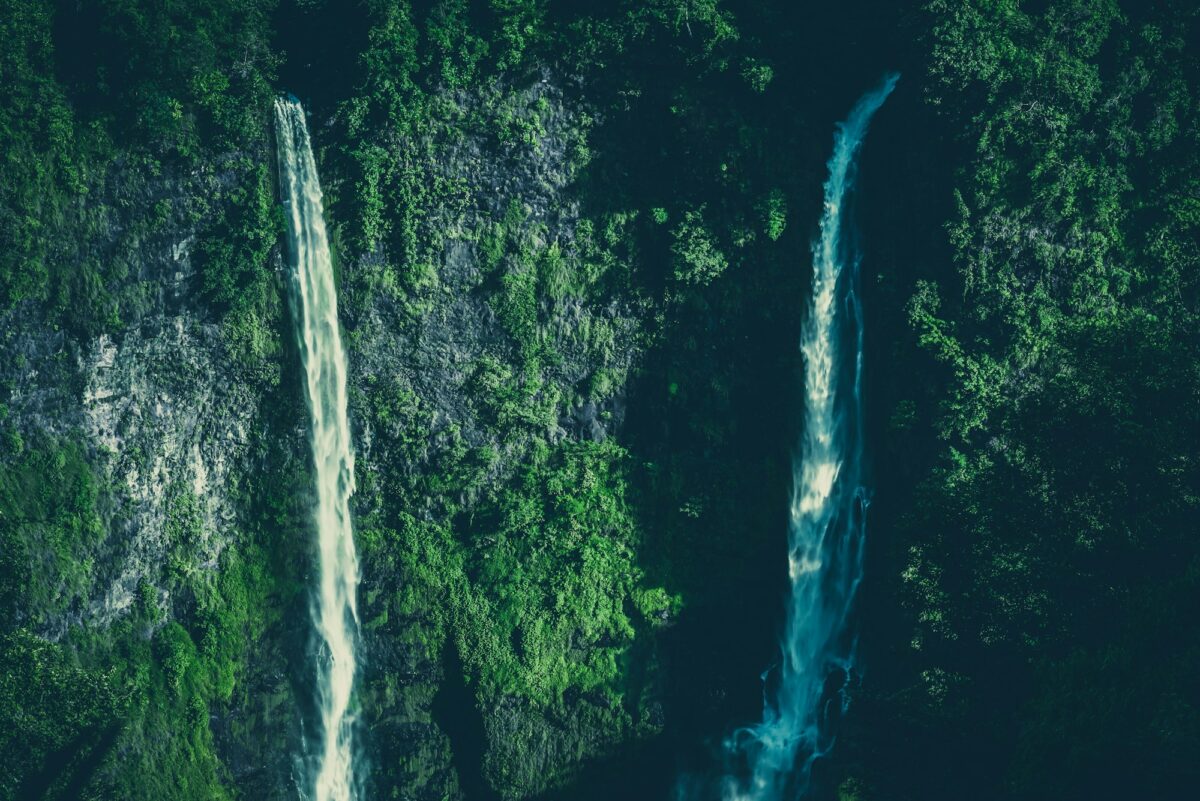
x,y
313,299
826,536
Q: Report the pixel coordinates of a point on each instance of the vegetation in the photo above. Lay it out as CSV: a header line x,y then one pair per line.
x,y
571,545
235,270
83,76
113,119
556,556
1056,503
50,743
50,528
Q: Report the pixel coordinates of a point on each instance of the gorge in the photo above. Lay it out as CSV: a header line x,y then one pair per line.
x,y
486,467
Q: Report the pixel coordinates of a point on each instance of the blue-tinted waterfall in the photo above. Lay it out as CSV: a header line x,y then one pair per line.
x,y
826,534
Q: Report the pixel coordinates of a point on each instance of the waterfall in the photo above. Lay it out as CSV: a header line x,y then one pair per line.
x,y
313,299
806,691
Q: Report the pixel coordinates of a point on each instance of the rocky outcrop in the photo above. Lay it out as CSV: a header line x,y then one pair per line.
x,y
166,409
444,351
158,400
171,420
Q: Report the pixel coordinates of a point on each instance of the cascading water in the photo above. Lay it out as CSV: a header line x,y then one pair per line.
x,y
313,299
826,532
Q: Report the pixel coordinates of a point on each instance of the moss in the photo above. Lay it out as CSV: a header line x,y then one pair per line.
x,y
49,528
517,307
48,743
233,259
758,74
162,83
551,565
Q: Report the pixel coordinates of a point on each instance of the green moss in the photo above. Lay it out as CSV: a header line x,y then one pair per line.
x,y
235,272
551,566
161,82
55,716
49,528
517,307
176,654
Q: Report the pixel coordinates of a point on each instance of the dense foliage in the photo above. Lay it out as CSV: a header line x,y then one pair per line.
x,y
1050,549
93,88
572,552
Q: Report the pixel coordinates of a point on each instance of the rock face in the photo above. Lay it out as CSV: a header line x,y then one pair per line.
x,y
434,342
171,421
466,358
439,359
160,402
158,427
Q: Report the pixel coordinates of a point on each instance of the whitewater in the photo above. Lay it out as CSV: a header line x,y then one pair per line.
x,y
807,690
330,772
